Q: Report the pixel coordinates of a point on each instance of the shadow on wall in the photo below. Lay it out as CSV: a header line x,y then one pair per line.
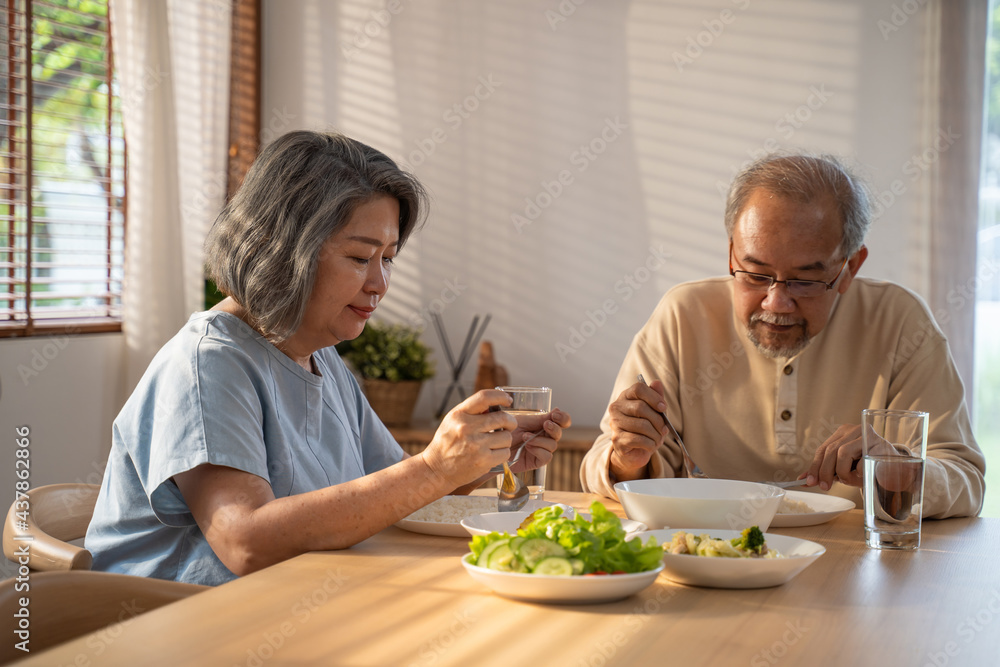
x,y
577,155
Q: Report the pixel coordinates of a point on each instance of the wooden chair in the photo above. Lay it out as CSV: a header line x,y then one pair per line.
x,y
56,514
65,605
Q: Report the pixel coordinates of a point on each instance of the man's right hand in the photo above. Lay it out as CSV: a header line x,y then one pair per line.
x,y
637,429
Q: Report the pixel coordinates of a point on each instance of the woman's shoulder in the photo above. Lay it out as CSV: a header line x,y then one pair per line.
x,y
208,339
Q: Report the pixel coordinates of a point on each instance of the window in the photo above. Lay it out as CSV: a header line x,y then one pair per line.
x,y
62,174
986,384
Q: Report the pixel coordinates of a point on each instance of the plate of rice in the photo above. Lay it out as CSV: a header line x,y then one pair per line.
x,y
444,515
801,508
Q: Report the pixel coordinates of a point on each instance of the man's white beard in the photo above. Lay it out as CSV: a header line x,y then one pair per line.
x,y
784,351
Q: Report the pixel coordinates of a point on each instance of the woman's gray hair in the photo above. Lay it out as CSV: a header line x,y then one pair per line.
x,y
806,178
303,187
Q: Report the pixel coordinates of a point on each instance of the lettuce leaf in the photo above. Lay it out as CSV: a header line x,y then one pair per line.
x,y
599,543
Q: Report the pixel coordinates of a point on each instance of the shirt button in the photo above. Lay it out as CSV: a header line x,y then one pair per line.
x,y
788,370
786,415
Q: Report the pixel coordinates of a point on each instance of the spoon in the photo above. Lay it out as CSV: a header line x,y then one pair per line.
x,y
513,494
496,470
689,465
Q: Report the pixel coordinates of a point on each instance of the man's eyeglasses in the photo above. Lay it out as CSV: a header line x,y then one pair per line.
x,y
796,288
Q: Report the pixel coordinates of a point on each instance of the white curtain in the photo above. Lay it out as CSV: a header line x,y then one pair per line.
x,y
953,131
172,58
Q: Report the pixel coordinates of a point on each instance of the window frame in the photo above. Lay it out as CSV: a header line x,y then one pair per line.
x,y
20,183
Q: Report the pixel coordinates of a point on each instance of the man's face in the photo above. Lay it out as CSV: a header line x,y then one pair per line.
x,y
786,239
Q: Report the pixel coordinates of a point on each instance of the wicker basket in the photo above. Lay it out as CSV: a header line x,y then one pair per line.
x,y
393,402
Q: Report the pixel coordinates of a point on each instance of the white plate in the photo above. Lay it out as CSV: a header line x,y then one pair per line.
x,y
561,590
826,508
475,506
508,522
737,572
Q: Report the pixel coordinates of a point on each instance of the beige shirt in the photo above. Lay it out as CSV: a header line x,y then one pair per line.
x,y
746,416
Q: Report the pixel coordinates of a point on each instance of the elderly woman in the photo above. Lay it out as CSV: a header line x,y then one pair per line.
x,y
247,441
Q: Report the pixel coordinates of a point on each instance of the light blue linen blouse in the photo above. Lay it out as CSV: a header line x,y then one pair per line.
x,y
219,393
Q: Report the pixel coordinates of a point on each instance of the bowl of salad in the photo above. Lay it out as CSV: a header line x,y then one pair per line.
x,y
557,559
747,558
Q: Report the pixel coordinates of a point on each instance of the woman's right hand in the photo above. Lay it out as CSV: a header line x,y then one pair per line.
x,y
471,439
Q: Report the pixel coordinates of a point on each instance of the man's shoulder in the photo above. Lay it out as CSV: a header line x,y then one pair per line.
x,y
889,303
715,289
689,303
885,294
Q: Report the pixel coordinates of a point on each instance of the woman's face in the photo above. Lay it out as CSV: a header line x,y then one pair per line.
x,y
352,275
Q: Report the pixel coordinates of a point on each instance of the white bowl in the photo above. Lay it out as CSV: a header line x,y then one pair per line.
x,y
508,522
737,572
462,506
561,590
685,501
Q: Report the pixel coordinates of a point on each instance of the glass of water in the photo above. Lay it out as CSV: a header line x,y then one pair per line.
x,y
894,452
528,401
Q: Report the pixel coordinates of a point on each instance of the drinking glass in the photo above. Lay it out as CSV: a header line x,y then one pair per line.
x,y
526,401
894,447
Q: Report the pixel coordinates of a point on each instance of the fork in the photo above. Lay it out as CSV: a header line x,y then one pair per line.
x,y
689,465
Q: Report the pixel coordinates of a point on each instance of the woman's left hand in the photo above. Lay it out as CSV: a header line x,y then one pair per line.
x,y
539,451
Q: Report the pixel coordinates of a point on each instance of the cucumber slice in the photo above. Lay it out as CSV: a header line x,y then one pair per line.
x,y
515,542
577,565
533,550
554,566
484,557
501,559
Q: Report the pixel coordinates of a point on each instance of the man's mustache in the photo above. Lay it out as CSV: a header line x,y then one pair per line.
x,y
776,319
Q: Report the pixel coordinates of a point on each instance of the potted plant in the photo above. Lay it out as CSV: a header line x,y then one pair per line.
x,y
392,363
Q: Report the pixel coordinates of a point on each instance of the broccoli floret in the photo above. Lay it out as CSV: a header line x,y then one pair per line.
x,y
752,539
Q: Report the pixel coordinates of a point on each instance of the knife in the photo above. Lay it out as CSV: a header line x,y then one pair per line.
x,y
786,485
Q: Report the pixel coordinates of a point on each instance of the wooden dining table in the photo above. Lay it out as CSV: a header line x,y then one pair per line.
x,y
403,599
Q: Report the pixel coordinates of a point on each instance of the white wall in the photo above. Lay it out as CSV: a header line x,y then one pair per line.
x,y
67,391
816,75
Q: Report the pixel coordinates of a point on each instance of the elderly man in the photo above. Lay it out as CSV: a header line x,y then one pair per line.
x,y
765,372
